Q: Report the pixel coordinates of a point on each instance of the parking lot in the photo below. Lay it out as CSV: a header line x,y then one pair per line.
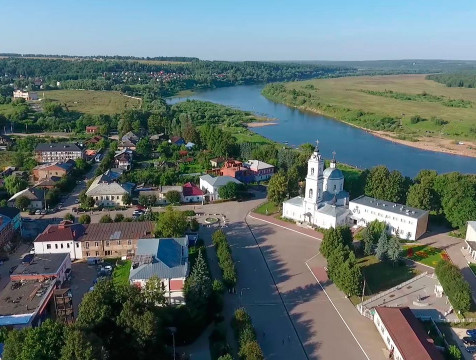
x,y
82,278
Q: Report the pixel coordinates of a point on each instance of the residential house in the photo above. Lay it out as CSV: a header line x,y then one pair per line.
x,y
471,239
403,221
90,154
123,159
6,142
217,162
114,240
177,140
128,141
58,152
92,129
192,193
61,238
166,259
210,185
235,169
261,171
25,301
107,192
35,195
27,95
157,138
47,171
49,183
94,140
404,335
160,193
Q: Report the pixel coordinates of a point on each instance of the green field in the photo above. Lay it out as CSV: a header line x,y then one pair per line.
x,y
91,102
243,135
399,97
120,275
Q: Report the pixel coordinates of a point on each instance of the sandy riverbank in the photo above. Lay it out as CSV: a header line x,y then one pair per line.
x,y
260,124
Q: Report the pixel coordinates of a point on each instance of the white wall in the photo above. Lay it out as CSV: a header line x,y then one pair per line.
x,y
386,337
408,227
108,200
176,297
293,212
57,247
194,198
470,234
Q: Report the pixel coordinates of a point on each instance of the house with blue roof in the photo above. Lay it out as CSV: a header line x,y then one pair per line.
x,y
165,258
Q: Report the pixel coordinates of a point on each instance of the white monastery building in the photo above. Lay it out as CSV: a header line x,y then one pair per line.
x,y
325,201
471,239
402,221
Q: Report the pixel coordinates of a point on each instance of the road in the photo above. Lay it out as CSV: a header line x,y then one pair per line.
x,y
292,315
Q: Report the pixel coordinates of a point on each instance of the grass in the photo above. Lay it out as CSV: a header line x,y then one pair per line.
x,y
382,275
243,135
120,275
6,159
350,93
424,254
92,102
268,206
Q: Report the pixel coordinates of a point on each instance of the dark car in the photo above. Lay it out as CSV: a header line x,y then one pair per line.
x,y
469,340
12,269
471,349
27,259
471,332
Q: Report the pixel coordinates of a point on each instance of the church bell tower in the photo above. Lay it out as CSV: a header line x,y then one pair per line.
x,y
314,181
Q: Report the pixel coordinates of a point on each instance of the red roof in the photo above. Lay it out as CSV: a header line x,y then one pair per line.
x,y
176,284
408,334
66,231
190,189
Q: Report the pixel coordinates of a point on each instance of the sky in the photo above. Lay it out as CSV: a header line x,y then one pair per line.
x,y
243,30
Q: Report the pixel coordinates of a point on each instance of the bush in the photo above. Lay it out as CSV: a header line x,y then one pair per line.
x,y
69,217
119,218
189,213
194,226
454,285
85,219
105,219
245,335
454,353
225,260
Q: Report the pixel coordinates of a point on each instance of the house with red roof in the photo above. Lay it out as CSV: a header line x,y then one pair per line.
x,y
61,238
192,193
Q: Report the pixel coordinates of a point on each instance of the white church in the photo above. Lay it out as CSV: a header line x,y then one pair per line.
x,y
325,202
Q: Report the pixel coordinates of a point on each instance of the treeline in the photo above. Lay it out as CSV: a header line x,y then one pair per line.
x,y
454,285
225,260
342,266
302,99
467,79
101,57
245,334
423,97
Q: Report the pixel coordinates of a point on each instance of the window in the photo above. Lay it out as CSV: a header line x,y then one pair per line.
x,y
97,253
108,252
67,245
129,242
48,246
118,242
77,245
87,253
56,246
310,193
87,244
107,243
96,244
61,245
312,171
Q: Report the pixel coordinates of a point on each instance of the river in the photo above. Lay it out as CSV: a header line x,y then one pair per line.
x,y
352,145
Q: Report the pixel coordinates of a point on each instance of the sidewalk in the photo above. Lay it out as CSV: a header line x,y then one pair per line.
x,y
287,225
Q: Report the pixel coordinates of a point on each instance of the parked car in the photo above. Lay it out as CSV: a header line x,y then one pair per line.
x,y
27,259
32,250
38,212
469,340
31,212
43,212
471,332
12,269
471,349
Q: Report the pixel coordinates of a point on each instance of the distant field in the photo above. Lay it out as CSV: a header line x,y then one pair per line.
x,y
354,93
92,102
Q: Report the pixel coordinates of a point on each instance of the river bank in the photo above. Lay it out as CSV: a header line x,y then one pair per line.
x,y
440,145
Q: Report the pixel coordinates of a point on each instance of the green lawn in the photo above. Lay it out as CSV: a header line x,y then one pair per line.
x,y
120,275
243,135
382,275
269,206
6,159
92,102
424,254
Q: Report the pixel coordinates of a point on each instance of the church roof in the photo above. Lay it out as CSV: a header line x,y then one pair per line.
x,y
328,196
333,173
296,201
332,210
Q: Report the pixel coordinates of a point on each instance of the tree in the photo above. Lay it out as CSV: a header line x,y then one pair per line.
x,y
171,223
144,147
422,196
154,292
394,249
14,344
228,191
293,182
368,242
382,246
22,202
454,352
194,226
43,342
251,351
173,197
14,184
69,217
278,188
127,199
105,219
335,236
87,202
198,286
85,219
79,347
118,218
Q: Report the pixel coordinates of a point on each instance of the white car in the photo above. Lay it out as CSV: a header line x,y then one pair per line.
x,y
38,212
32,250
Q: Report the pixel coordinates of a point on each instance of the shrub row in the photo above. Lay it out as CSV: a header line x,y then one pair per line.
x,y
454,285
225,260
245,334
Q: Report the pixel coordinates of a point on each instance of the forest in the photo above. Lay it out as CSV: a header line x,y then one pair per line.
x,y
464,79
